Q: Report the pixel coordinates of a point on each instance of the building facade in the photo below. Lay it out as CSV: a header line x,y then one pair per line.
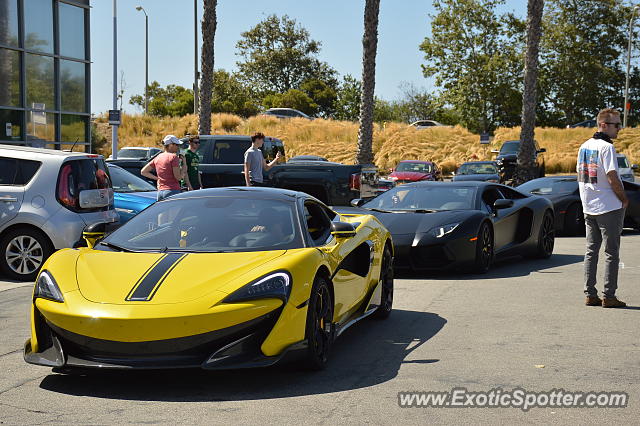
x,y
45,73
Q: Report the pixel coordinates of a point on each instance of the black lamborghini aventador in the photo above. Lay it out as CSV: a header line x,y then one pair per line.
x,y
455,225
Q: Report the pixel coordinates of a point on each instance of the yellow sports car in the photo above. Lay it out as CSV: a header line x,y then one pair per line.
x,y
216,278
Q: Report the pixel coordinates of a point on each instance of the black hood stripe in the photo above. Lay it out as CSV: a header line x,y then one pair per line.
x,y
148,284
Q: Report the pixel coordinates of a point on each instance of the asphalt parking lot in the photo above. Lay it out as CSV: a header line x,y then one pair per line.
x,y
521,325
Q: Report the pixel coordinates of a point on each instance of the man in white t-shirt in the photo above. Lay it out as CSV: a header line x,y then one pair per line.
x,y
603,203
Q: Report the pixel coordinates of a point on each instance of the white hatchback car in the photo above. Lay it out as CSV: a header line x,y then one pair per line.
x,y
47,197
625,170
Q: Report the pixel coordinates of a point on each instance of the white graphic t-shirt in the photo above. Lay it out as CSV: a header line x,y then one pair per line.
x,y
596,158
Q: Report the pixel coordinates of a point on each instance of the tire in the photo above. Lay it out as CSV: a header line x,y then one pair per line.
x,y
22,252
546,237
574,221
386,277
484,249
319,328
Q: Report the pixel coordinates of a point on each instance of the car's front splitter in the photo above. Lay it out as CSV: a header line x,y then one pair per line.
x,y
233,347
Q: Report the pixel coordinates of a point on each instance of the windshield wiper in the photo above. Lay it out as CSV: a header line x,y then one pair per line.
x,y
115,246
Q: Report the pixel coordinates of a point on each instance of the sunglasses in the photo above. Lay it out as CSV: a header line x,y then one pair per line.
x,y
618,124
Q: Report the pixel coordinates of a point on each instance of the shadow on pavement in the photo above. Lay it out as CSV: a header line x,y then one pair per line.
x,y
503,268
367,354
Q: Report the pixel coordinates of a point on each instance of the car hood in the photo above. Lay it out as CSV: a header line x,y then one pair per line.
x,y
507,157
412,223
478,177
137,197
410,175
114,277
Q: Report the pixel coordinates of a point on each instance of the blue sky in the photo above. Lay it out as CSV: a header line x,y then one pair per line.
x,y
338,24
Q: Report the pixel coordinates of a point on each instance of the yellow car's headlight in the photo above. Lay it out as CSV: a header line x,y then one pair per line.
x,y
47,288
276,285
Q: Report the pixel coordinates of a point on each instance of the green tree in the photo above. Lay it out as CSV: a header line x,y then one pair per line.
x,y
322,94
278,55
292,98
582,65
347,103
475,56
230,95
173,100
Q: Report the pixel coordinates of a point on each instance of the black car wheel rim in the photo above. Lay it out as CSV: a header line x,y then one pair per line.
x,y
322,317
487,246
548,235
387,282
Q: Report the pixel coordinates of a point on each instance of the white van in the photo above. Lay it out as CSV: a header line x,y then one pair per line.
x,y
625,170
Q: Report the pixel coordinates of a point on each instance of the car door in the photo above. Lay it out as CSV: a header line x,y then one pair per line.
x,y
505,221
11,195
347,284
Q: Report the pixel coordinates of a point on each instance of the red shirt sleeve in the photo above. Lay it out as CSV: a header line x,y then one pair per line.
x,y
175,162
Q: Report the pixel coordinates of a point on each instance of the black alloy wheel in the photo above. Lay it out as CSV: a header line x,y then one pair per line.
x,y
319,328
484,249
386,279
547,237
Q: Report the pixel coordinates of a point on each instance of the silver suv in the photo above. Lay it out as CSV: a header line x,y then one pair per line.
x,y
47,197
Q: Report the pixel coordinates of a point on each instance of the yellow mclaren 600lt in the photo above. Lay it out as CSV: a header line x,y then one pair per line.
x,y
215,279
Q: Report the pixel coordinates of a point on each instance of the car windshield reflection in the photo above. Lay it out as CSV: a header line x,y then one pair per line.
x,y
424,198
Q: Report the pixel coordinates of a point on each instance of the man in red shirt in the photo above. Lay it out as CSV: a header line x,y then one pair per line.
x,y
167,167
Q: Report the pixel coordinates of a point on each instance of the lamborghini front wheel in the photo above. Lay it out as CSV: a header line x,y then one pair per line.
x,y
319,328
386,281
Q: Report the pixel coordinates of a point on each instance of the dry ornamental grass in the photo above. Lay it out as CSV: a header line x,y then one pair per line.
x,y
337,140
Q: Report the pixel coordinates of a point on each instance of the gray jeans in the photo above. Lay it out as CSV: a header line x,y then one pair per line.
x,y
605,227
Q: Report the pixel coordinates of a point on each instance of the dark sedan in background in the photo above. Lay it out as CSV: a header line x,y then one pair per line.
x,y
461,225
564,193
483,171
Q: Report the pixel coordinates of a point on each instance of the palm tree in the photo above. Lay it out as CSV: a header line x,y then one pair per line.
x,y
369,49
209,23
527,152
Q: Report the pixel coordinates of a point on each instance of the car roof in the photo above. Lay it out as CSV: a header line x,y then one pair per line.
x,y
45,151
415,161
479,162
469,183
139,147
244,192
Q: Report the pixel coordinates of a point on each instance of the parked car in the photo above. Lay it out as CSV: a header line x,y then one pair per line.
x,y
222,164
307,158
586,123
384,185
137,153
132,194
626,170
507,160
423,124
483,171
415,170
47,197
564,193
186,283
286,113
461,225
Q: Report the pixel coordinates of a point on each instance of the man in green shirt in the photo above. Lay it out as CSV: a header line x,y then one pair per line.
x,y
193,161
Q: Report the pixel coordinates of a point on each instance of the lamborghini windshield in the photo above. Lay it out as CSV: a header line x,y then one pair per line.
x,y
210,224
422,197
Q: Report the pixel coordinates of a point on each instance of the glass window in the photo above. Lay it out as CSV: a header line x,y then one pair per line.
x,y
72,86
71,27
40,80
38,24
41,128
123,181
8,170
26,170
10,125
10,78
9,22
427,198
73,128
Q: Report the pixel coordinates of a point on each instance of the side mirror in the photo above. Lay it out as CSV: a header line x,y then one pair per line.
x,y
542,150
342,230
94,233
357,202
502,204
96,198
634,167
495,151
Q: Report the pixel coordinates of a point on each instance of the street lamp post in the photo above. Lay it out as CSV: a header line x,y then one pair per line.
x,y
146,57
114,127
626,85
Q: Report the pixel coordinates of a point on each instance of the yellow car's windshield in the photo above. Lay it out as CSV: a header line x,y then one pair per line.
x,y
210,224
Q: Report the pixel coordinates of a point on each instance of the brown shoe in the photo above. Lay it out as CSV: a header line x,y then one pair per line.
x,y
593,301
613,302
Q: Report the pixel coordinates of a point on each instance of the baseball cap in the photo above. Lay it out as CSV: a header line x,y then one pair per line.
x,y
169,139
